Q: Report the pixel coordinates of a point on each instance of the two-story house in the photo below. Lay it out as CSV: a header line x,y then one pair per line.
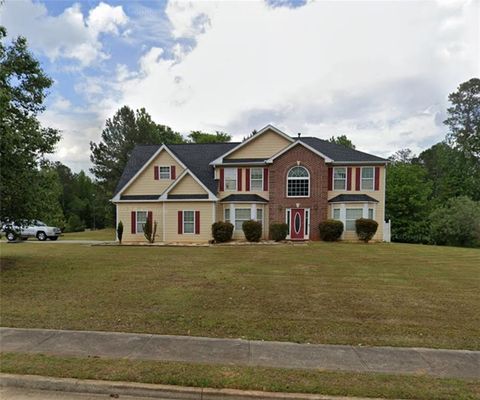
x,y
271,177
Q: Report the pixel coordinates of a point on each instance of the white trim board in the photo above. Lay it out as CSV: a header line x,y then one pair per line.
x,y
163,196
296,143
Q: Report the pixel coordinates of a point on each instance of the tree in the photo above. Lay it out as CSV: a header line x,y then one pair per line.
x,y
457,223
203,137
23,141
403,156
408,196
122,133
48,192
342,140
464,118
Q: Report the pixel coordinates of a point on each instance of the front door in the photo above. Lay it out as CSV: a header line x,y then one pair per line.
x,y
297,221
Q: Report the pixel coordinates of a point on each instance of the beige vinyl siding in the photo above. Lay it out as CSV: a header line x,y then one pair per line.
x,y
206,219
225,193
379,208
145,182
124,214
266,145
188,185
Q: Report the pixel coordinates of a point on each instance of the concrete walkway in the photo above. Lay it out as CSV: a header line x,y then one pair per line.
x,y
441,363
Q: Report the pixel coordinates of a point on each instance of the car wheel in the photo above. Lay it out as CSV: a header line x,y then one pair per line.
x,y
41,236
53,237
11,236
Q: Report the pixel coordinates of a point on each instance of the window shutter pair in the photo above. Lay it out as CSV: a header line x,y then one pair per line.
x,y
156,172
196,222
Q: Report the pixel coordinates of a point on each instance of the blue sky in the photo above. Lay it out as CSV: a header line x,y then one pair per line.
x,y
377,71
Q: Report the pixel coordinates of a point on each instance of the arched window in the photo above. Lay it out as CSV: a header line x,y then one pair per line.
x,y
298,182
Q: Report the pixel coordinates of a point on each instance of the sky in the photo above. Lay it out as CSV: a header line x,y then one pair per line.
x,y
378,71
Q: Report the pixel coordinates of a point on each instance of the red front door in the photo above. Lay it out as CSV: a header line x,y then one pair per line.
x,y
297,221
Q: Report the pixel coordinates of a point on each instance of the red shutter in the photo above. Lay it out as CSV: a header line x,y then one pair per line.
x,y
349,178
265,179
180,222
330,178
150,218
357,178
173,172
155,172
377,178
133,222
222,180
197,222
247,179
239,179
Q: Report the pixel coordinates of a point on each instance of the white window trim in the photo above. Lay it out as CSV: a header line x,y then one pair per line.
x,y
361,180
225,180
136,221
298,178
251,187
224,214
183,222
306,222
333,178
169,172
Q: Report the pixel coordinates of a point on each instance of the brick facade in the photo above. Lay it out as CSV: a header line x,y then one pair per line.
x,y
317,202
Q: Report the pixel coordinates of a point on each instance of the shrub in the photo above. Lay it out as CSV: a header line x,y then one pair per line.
x,y
222,231
149,230
252,230
120,231
366,228
331,230
457,223
278,231
75,224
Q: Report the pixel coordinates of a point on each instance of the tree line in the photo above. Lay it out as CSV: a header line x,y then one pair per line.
x,y
432,197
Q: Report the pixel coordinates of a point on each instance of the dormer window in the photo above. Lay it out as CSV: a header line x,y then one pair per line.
x,y
165,172
298,182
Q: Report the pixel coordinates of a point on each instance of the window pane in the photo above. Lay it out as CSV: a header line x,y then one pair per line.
x,y
256,173
370,213
367,178
188,227
241,215
336,213
256,179
141,220
367,184
188,222
367,172
230,178
340,173
259,215
189,216
354,213
298,187
164,172
339,178
298,172
227,215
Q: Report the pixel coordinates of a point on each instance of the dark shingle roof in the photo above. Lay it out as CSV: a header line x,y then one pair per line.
x,y
245,197
348,198
186,196
243,160
140,197
339,153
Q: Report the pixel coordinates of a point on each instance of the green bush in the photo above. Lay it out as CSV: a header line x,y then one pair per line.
x,y
457,223
252,230
278,231
150,230
366,228
75,224
120,231
222,231
331,230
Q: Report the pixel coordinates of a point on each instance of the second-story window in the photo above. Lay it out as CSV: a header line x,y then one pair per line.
x,y
298,182
256,179
230,179
367,178
339,178
164,172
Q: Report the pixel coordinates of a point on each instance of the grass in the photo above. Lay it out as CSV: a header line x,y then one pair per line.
x,y
251,378
340,293
99,234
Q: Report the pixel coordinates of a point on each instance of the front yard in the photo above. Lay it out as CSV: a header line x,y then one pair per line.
x,y
377,294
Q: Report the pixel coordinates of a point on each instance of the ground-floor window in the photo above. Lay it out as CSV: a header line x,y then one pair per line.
x,y
141,220
351,215
336,213
241,215
188,222
260,215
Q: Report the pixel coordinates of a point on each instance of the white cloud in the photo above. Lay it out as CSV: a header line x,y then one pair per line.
x,y
69,35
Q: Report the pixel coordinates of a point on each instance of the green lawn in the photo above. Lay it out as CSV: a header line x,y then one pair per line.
x,y
376,294
99,234
267,379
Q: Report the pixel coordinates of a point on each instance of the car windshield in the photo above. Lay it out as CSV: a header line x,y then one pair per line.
x,y
40,223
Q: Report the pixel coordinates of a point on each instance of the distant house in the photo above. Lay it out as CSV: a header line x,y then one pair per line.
x,y
271,177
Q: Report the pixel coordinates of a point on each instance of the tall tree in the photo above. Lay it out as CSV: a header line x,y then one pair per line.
x,y
23,141
126,129
464,118
203,137
48,188
343,140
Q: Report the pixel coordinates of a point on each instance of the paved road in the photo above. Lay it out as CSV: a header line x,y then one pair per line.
x,y
12,393
60,241
443,363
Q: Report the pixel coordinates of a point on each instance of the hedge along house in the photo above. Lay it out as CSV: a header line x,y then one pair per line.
x,y
270,177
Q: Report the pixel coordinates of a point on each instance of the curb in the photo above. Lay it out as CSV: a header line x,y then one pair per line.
x,y
166,392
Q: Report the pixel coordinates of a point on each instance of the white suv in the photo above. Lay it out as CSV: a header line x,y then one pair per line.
x,y
35,228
